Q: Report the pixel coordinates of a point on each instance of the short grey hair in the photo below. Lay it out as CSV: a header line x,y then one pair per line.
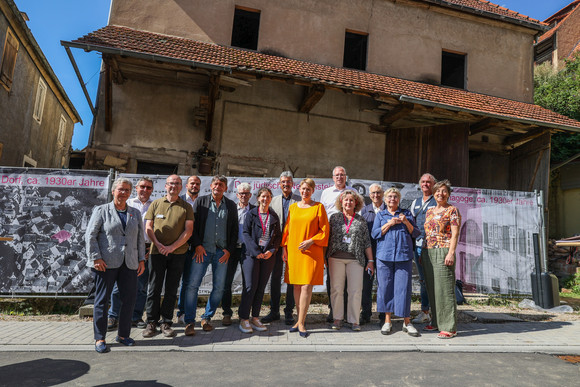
x,y
244,187
375,185
287,174
433,179
220,178
119,181
392,190
339,166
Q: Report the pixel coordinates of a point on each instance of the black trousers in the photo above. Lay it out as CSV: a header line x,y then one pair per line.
x,y
104,281
163,270
233,261
255,274
276,287
367,295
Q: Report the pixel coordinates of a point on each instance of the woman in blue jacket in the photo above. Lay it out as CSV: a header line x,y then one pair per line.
x,y
394,230
262,237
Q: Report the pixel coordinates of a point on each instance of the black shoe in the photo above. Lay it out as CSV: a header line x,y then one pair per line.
x,y
270,317
140,324
289,319
112,324
364,320
330,318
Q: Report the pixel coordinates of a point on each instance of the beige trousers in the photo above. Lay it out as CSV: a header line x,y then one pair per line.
x,y
352,271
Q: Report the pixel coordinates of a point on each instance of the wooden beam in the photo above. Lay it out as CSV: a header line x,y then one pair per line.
x,y
214,85
312,97
524,137
487,147
118,75
482,125
108,98
396,114
538,162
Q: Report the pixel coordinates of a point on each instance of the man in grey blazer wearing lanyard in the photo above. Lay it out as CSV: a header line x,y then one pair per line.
x,y
280,205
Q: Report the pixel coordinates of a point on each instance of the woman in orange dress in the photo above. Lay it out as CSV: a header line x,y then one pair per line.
x,y
304,239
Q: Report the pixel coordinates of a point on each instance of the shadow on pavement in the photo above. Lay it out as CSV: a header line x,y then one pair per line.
x,y
135,383
481,328
42,372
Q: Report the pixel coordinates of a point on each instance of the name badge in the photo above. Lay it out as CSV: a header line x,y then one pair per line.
x,y
437,217
346,239
160,216
262,242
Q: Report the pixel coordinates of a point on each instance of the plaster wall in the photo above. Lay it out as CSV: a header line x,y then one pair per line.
x,y
20,133
405,40
570,221
256,128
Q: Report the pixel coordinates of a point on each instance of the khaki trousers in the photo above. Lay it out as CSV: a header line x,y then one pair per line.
x,y
350,269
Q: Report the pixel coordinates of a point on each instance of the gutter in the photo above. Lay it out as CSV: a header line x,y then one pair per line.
x,y
150,57
419,101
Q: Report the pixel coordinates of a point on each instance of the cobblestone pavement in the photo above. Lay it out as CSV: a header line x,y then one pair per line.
x,y
553,337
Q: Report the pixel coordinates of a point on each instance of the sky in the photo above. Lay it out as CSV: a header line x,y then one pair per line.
x,y
54,20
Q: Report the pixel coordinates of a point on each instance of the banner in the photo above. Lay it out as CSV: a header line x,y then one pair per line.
x,y
43,218
494,253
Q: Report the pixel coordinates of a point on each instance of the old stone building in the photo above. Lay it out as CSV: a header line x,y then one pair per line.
x,y
36,116
387,88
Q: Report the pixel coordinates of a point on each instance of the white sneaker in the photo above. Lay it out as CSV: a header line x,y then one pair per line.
x,y
410,329
422,318
245,326
181,319
257,325
387,328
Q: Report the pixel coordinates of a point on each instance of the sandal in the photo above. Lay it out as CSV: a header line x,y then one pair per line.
x,y
446,335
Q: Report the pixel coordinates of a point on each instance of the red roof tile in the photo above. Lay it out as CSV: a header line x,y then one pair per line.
x,y
142,42
486,6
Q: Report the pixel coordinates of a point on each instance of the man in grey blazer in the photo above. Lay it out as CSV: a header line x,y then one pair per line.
x,y
280,204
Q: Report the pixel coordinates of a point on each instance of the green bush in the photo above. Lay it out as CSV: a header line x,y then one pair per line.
x,y
573,283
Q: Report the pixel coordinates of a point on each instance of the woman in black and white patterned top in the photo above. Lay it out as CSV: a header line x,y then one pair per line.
x,y
262,237
348,246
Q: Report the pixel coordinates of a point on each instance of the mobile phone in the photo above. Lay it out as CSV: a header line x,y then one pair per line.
x,y
369,271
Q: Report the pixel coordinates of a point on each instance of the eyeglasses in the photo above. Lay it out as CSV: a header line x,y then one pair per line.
x,y
244,193
173,184
147,187
123,190
340,175
375,193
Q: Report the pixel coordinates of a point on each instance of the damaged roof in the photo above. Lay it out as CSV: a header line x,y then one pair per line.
x,y
164,48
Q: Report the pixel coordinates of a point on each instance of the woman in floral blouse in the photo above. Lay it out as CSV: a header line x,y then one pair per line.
x,y
348,246
438,258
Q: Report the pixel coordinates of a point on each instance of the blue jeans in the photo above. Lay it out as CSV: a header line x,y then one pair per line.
x,y
195,276
184,279
424,294
142,282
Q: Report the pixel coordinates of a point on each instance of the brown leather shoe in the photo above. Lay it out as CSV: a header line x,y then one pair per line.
x,y
190,329
227,321
150,330
206,326
167,330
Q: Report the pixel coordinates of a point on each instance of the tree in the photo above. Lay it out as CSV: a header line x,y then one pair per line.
x,y
559,91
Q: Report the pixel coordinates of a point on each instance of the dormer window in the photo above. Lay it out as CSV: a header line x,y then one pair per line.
x,y
246,28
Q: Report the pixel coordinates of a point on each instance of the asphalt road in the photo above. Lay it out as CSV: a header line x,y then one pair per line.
x,y
285,369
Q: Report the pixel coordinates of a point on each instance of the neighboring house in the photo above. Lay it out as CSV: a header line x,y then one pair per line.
x,y
562,40
389,89
565,198
36,116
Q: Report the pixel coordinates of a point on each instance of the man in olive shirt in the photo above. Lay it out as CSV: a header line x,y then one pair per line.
x,y
169,226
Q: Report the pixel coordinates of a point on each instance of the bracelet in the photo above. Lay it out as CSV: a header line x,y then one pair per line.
x,y
371,260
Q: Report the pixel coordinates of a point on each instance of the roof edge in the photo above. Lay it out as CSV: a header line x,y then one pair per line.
x,y
42,59
528,24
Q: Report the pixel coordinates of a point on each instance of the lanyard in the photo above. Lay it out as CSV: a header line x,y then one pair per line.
x,y
262,223
347,225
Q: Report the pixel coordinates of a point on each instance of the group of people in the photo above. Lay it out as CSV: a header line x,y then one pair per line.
x,y
138,247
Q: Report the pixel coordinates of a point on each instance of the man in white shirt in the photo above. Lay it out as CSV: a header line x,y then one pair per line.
x,y
244,195
192,188
328,198
142,201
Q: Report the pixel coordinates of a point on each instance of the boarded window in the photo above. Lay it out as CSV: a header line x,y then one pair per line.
x,y
246,28
61,131
8,60
355,50
453,69
39,102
